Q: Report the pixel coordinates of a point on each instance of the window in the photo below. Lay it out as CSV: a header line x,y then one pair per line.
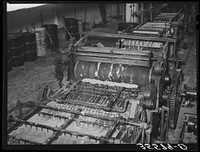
x,y
14,7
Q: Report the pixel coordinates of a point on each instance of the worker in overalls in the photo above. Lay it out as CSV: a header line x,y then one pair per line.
x,y
61,64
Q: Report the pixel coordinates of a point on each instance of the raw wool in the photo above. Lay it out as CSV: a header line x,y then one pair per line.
x,y
109,83
97,71
118,71
123,72
31,133
131,79
134,105
88,129
52,103
70,139
45,120
110,72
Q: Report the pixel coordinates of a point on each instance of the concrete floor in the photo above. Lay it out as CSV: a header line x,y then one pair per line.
x,y
25,82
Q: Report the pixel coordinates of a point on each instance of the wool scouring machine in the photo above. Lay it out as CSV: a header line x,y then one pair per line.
x,y
125,89
113,96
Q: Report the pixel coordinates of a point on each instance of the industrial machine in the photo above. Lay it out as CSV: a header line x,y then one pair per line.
x,y
189,130
125,94
113,96
177,15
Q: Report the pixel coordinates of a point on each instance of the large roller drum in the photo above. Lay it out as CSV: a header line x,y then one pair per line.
x,y
115,73
40,35
30,46
52,35
73,27
136,74
82,69
104,70
112,72
15,51
93,68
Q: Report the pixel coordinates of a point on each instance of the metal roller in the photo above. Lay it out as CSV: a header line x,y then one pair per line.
x,y
115,71
82,69
93,67
112,72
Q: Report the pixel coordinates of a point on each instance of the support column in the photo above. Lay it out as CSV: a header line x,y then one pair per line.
x,y
151,12
135,10
142,13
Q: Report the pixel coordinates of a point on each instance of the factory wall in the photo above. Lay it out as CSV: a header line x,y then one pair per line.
x,y
21,19
52,13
